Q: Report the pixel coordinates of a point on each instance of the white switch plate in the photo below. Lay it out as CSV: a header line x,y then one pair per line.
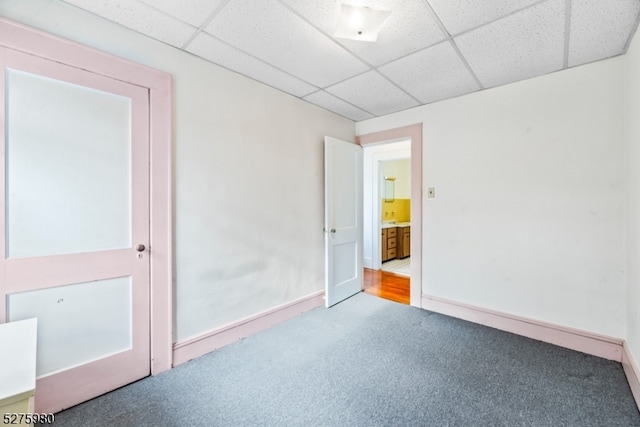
x,y
431,192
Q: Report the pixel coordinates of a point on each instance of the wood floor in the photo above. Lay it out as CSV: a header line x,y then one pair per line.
x,y
387,285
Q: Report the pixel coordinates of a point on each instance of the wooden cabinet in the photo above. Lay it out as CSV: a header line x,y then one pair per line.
x,y
404,242
389,243
395,242
383,243
392,242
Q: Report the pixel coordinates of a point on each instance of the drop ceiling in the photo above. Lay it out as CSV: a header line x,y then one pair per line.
x,y
429,50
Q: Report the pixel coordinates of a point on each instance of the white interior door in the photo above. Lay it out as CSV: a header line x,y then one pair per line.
x,y
75,225
343,220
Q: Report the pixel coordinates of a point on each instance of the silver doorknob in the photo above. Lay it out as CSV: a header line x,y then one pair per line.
x,y
140,247
333,230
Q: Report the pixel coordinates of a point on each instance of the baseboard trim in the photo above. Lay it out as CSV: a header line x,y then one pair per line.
x,y
209,341
632,372
574,339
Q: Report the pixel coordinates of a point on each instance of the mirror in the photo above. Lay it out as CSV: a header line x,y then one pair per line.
x,y
389,188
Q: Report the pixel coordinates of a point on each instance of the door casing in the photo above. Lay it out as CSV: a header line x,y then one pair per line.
x,y
414,133
34,42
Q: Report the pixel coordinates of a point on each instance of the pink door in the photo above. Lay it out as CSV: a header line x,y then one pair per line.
x,y
75,224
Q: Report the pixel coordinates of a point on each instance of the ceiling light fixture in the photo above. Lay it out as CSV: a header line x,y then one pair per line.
x,y
360,23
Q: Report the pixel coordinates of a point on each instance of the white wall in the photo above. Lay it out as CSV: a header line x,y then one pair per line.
x,y
632,115
248,176
528,217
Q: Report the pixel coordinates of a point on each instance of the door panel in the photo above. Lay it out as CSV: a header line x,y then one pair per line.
x,y
343,220
76,204
68,167
73,314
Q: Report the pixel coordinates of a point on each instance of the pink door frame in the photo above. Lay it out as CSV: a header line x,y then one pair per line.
x,y
24,39
413,132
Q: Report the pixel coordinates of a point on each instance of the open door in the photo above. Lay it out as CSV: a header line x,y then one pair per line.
x,y
343,219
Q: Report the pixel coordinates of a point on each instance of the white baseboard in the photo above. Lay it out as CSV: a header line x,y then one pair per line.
x,y
225,335
632,372
574,339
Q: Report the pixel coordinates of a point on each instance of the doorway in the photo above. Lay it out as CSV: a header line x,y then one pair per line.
x,y
394,205
375,205
411,136
387,180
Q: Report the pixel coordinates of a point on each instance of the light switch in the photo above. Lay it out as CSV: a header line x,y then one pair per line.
x,y
431,193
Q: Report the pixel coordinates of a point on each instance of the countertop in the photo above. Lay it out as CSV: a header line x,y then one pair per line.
x,y
395,224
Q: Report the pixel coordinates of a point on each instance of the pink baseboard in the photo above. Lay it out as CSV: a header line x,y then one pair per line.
x,y
632,372
225,335
574,339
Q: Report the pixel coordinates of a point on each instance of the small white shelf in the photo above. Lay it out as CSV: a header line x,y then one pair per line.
x,y
18,365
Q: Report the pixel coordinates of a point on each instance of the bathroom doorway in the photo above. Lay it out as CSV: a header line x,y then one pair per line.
x,y
379,142
387,220
382,211
394,205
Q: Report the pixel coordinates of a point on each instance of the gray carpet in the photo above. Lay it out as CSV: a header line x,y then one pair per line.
x,y
372,362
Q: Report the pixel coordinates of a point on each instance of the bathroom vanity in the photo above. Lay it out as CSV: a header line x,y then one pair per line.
x,y
395,241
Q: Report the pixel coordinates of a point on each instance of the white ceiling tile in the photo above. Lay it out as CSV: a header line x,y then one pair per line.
x,y
462,15
338,106
410,27
193,12
270,31
289,44
324,13
140,17
520,46
432,74
373,93
215,51
600,29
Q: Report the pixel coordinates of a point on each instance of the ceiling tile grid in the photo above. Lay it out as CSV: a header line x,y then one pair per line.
x,y
373,93
429,50
517,47
142,18
193,12
600,29
331,103
257,28
208,47
462,15
432,74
